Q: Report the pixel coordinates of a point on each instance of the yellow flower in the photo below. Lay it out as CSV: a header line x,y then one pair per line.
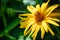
x,y
38,19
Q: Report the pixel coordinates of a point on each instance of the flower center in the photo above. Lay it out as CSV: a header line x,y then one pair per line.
x,y
38,17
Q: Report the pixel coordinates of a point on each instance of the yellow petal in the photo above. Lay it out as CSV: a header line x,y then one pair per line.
x,y
38,8
33,29
45,26
52,22
25,14
42,32
52,10
27,31
53,19
31,9
23,24
23,18
51,31
44,6
54,14
29,24
35,33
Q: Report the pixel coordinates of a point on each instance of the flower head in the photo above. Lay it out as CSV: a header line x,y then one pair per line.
x,y
38,19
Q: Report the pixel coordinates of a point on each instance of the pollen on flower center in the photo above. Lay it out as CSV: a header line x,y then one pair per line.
x,y
38,17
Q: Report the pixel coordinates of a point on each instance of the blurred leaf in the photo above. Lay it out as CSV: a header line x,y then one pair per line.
x,y
10,11
16,31
3,9
12,25
9,37
5,1
15,4
4,20
0,13
36,1
18,0
20,11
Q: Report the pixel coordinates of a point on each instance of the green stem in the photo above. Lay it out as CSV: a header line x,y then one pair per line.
x,y
4,20
10,26
20,11
9,36
3,6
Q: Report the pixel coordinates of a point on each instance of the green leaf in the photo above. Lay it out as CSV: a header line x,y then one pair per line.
x,y
9,37
10,12
12,25
5,1
3,9
20,11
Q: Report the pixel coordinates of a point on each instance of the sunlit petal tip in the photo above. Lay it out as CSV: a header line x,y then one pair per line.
x,y
52,22
57,4
24,33
32,7
42,32
21,27
19,16
51,31
48,1
54,19
44,6
28,7
38,5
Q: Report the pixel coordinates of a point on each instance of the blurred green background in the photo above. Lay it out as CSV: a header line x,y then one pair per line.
x,y
9,21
